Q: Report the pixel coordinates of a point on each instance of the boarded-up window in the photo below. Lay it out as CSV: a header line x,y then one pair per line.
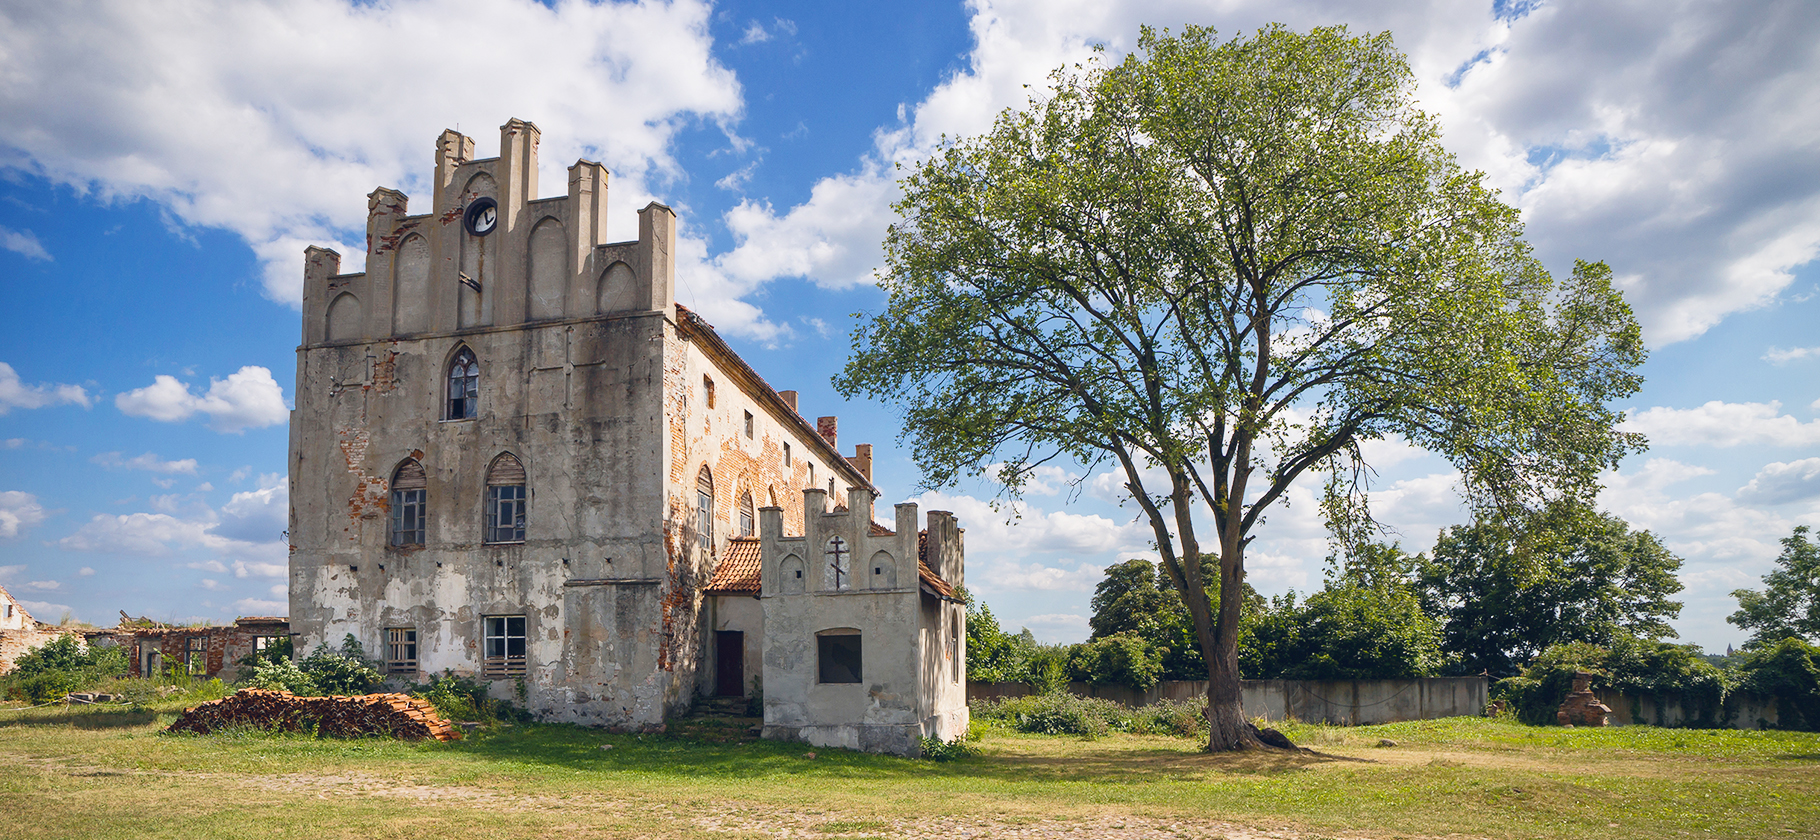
x,y
504,652
704,508
838,656
400,650
464,387
409,484
506,501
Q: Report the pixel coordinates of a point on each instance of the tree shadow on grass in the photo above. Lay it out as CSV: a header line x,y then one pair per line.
x,y
1079,761
79,719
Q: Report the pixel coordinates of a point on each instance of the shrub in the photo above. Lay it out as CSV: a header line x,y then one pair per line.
x,y
1790,671
59,667
281,675
1124,658
936,749
1629,664
461,698
1181,718
1054,713
346,671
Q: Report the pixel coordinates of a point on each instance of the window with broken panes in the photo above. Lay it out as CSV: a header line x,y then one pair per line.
x,y
745,514
838,658
464,387
704,508
409,484
401,650
504,640
506,500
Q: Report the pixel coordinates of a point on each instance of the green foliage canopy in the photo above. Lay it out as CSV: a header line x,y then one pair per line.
x,y
1507,590
1233,262
1789,605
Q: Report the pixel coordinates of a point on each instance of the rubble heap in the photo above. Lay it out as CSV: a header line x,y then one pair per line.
x,y
1582,707
393,715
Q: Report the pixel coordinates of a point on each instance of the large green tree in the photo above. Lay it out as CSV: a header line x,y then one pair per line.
x,y
1789,605
1508,588
1219,266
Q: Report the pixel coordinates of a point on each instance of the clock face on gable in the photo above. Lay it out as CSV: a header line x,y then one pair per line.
x,y
481,217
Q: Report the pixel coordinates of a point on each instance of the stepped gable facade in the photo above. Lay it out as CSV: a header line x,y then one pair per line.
x,y
514,455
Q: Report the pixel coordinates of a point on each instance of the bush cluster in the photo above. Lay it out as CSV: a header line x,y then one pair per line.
x,y
61,666
1061,713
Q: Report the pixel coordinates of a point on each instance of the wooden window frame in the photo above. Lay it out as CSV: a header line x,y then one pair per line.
x,y
401,650
498,632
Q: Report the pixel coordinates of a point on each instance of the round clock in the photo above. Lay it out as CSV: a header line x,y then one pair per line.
x,y
482,216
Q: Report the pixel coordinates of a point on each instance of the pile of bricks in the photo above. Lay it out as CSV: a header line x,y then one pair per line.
x,y
393,715
1582,707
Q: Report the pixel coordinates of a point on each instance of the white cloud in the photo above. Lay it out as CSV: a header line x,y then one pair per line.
x,y
25,243
46,611
215,566
258,515
1006,575
85,571
1057,620
1723,424
1779,483
1779,356
19,510
1700,527
997,531
243,568
246,399
16,394
43,585
148,462
8,572
222,113
256,606
212,585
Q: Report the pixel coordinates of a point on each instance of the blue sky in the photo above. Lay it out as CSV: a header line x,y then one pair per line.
x,y
161,172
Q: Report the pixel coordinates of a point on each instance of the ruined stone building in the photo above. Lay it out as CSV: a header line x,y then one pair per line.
x,y
514,455
19,632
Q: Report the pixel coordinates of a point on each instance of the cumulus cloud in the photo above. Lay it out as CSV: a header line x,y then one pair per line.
x,y
258,606
1779,356
247,399
1700,527
46,611
85,571
19,510
1003,531
148,462
1002,574
1779,483
222,114
1723,424
14,393
258,515
25,243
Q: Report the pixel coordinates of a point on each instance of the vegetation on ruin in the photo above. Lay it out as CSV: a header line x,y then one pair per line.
x,y
1218,267
109,774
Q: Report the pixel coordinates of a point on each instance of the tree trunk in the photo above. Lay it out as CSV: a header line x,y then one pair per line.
x,y
1226,724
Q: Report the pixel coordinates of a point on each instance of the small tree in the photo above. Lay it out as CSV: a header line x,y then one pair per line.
x,y
1218,267
1789,605
344,671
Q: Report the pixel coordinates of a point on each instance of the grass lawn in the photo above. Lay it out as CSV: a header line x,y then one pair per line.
x,y
112,774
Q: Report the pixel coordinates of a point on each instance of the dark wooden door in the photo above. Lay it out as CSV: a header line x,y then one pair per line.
x,y
730,663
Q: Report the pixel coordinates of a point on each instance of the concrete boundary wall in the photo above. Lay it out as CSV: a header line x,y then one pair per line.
x,y
1346,702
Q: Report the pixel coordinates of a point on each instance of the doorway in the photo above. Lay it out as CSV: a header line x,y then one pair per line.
x,y
730,663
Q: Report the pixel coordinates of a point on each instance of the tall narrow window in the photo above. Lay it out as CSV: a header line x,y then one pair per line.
x,y
745,514
748,425
464,387
704,508
786,454
400,650
954,644
707,391
504,654
198,659
838,573
408,488
506,501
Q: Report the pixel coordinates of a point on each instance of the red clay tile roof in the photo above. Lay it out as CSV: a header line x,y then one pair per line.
x,y
738,569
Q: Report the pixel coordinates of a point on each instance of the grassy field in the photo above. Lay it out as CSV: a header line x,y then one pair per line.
x,y
113,774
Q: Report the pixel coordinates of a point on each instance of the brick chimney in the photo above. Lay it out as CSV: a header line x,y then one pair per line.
x,y
789,399
862,460
825,425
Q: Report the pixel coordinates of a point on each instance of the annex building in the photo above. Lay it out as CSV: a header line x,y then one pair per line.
x,y
514,455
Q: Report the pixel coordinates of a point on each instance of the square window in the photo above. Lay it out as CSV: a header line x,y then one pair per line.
x,y
401,650
504,653
839,660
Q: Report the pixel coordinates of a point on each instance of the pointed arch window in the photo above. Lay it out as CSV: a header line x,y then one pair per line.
x,y
409,484
746,520
464,387
704,508
506,499
838,573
